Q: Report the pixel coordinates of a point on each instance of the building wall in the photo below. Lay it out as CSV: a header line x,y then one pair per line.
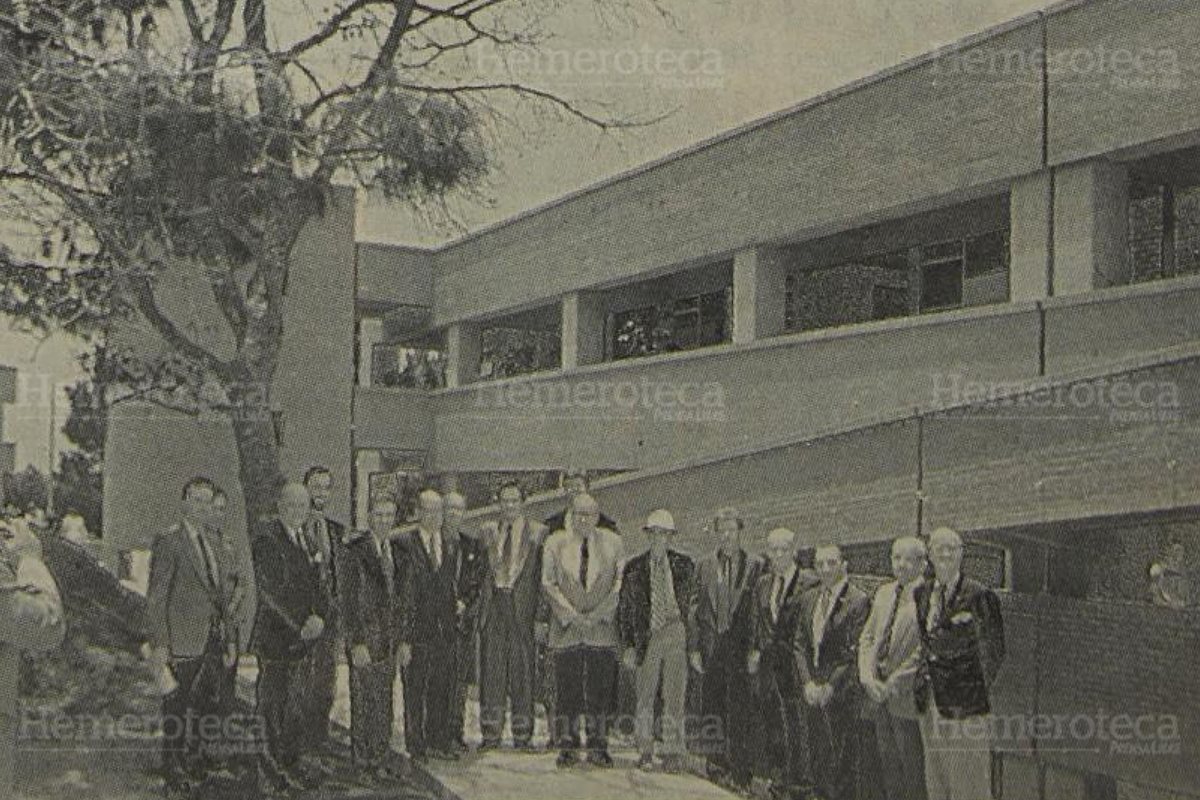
x,y
151,451
812,170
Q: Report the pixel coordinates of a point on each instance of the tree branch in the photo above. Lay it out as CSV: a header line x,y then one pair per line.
x,y
329,29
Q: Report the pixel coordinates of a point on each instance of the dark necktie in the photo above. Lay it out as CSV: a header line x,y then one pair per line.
x,y
885,644
583,563
937,607
506,552
777,596
206,556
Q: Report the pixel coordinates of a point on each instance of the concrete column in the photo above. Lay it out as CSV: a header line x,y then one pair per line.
x,y
1091,222
582,329
758,291
365,463
370,333
462,353
1030,236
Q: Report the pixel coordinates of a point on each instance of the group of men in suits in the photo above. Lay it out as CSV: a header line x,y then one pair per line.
x,y
790,660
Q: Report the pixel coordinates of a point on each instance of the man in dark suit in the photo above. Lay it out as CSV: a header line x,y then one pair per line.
x,y
962,647
723,628
367,589
324,536
510,611
777,609
192,630
825,647
470,572
292,608
656,617
428,630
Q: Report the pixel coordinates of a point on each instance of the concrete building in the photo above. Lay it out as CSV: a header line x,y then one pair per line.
x,y
962,292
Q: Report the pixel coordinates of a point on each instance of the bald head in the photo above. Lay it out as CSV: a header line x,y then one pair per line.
x,y
946,552
908,559
781,549
294,503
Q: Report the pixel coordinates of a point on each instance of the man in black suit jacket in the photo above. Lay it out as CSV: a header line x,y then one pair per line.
x,y
367,589
292,609
777,609
962,647
825,648
427,629
724,626
656,620
470,572
325,536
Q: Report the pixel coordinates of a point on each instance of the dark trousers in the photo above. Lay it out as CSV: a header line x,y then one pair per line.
x,y
901,755
371,711
786,736
728,709
464,669
834,748
506,671
204,693
315,690
586,680
429,681
280,714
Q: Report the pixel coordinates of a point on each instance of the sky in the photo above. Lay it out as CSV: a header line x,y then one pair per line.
x,y
715,65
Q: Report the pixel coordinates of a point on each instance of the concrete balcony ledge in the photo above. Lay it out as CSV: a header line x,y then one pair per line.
x,y
1116,294
787,340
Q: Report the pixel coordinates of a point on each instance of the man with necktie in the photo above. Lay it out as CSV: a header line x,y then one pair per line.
x,y
367,571
723,626
192,633
777,610
470,573
581,577
825,648
292,608
888,655
656,617
962,647
513,593
324,536
427,629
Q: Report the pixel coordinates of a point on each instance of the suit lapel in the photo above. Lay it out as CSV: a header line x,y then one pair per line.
x,y
193,558
526,546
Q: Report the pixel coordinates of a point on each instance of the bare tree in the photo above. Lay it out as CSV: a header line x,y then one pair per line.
x,y
141,135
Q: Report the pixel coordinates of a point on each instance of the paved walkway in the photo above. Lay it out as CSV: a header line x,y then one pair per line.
x,y
506,775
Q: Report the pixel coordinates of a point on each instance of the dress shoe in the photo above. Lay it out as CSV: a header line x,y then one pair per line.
x,y
599,758
645,763
566,759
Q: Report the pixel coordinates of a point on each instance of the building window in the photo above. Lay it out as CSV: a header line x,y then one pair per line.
x,y
506,352
942,276
400,366
1164,231
684,323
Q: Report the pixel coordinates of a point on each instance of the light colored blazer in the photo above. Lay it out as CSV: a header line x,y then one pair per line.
x,y
904,652
594,609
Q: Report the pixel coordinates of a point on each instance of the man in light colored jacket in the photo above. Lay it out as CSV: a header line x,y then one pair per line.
x,y
31,620
581,578
889,652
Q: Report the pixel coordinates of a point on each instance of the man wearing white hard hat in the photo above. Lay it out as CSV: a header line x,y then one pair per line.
x,y
656,619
